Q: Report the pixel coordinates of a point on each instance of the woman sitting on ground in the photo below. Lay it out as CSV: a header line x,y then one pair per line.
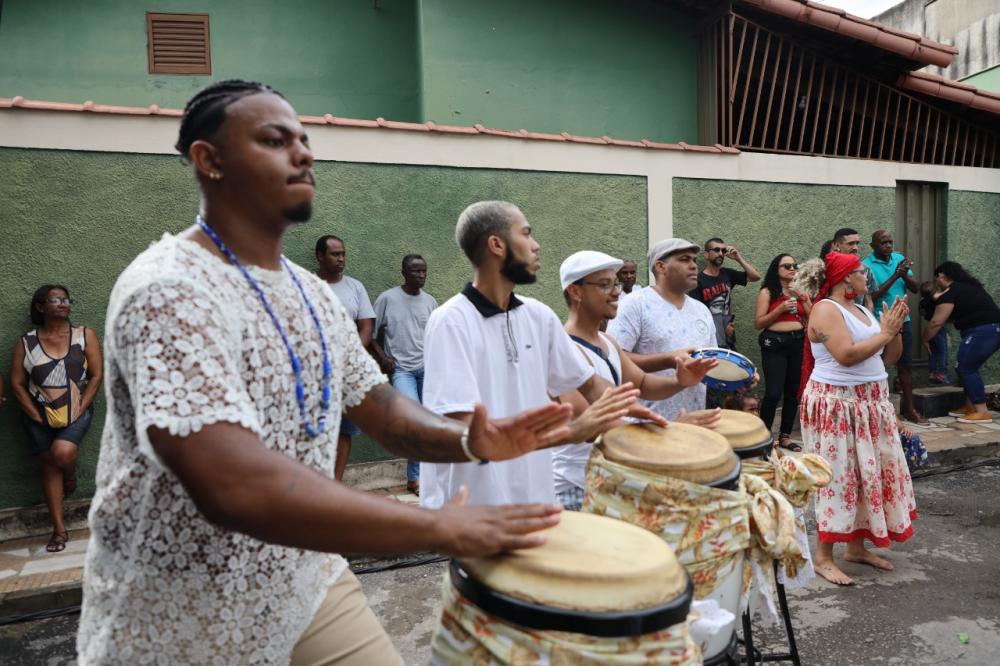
x,y
968,307
780,312
55,377
848,419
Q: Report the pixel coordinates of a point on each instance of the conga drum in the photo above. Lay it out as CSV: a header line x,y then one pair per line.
x,y
598,591
746,434
682,484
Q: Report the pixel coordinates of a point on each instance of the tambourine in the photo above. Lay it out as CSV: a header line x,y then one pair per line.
x,y
733,372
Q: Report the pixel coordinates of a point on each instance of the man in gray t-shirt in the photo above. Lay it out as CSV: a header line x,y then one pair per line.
x,y
400,317
331,255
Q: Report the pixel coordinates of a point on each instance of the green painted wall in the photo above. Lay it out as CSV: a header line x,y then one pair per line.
x,y
972,239
79,218
341,57
763,219
591,67
988,79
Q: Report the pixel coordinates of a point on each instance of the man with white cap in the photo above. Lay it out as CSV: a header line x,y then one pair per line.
x,y
591,289
486,345
661,325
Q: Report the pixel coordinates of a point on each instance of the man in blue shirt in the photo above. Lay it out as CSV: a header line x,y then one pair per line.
x,y
892,274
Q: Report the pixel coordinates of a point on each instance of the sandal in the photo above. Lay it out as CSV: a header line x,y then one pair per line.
x,y
785,442
57,543
413,487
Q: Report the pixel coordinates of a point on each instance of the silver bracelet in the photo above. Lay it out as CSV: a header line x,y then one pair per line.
x,y
467,451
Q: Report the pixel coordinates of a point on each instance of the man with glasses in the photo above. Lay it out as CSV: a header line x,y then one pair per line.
x,y
715,287
659,326
489,345
592,290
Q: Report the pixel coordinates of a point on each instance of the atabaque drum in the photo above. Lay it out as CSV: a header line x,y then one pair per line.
x,y
682,483
733,372
745,432
598,591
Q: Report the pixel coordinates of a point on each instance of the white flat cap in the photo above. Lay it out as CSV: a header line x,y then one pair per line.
x,y
668,246
581,264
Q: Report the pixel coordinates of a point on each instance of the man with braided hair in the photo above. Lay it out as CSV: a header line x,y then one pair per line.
x,y
216,517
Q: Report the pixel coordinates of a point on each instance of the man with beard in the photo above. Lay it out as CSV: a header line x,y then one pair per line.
x,y
715,287
509,352
216,521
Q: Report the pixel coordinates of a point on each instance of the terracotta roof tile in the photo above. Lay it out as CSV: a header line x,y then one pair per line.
x,y
953,91
20,102
908,45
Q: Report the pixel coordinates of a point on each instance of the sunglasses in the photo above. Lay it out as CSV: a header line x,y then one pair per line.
x,y
790,267
721,250
55,300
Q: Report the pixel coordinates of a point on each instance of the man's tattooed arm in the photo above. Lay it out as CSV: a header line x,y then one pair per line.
x,y
407,429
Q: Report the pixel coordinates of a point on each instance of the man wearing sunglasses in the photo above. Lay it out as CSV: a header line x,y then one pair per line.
x,y
715,287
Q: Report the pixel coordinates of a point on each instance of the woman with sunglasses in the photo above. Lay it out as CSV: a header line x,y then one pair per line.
x,y
55,377
779,316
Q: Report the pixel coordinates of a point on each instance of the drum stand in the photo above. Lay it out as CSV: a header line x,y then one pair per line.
x,y
752,655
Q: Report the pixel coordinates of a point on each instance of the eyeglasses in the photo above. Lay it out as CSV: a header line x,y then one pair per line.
x,y
790,267
720,250
55,300
606,287
857,270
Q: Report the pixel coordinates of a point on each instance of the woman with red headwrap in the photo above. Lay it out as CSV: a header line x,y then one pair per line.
x,y
848,419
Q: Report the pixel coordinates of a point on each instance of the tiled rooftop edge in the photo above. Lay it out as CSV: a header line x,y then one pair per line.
x,y
19,102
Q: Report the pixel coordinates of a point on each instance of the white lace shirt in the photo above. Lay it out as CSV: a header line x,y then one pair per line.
x,y
189,344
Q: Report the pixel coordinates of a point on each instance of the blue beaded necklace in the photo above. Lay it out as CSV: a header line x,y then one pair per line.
x,y
300,391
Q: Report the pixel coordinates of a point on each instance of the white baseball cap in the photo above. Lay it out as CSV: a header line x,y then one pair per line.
x,y
668,246
581,264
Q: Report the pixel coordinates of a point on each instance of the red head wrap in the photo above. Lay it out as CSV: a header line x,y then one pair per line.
x,y
838,267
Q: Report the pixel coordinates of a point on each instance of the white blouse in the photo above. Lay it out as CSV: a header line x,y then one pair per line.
x,y
189,344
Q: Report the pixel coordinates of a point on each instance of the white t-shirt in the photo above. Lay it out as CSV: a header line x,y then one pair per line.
x,y
189,344
404,317
569,462
354,297
649,324
509,361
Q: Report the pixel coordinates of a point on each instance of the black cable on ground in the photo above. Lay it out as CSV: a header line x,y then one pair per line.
x,y
934,471
403,564
39,615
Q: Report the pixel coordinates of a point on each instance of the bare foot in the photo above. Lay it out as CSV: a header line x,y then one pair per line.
x,y
864,556
832,573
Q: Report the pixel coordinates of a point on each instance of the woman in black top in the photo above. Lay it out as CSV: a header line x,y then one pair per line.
x,y
969,308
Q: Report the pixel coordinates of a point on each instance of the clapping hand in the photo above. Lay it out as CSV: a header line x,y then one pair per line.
x,y
893,317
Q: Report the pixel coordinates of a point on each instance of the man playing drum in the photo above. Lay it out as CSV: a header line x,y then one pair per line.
x,y
488,345
660,326
591,289
216,518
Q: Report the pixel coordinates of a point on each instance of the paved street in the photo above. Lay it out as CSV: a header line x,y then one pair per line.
x,y
946,586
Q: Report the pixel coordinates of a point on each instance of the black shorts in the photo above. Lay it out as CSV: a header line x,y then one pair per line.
x,y
906,358
41,436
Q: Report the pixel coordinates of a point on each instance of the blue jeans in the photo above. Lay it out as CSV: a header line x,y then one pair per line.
x,y
938,359
411,384
978,344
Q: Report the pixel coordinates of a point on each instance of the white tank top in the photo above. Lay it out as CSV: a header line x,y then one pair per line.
x,y
570,460
828,371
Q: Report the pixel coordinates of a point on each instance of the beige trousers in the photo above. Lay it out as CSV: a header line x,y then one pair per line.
x,y
345,631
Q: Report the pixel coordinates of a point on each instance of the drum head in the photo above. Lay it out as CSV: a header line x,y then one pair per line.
x,y
745,432
680,450
588,563
734,371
